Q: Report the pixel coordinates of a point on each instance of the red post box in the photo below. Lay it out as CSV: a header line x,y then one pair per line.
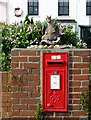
x,y
55,77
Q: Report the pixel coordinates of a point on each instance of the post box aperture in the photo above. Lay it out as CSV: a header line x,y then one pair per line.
x,y
54,81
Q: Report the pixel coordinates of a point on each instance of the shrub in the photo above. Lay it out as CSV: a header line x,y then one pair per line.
x,y
69,37
20,35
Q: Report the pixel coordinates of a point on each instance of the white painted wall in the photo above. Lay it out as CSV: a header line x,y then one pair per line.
x,y
3,7
12,4
50,7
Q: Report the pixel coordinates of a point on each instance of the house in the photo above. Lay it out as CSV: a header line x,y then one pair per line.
x,y
74,12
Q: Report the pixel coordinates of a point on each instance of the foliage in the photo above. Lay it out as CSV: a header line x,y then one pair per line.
x,y
39,112
20,35
85,101
69,37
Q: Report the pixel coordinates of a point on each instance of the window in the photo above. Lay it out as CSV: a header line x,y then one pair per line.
x,y
33,7
88,7
63,7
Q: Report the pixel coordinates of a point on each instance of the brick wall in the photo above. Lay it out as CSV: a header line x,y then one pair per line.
x,y
26,83
5,94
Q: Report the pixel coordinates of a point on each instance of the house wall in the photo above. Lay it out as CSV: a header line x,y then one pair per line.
x,y
26,88
46,7
3,11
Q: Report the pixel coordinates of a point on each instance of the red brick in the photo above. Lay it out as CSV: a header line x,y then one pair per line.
x,y
74,95
34,59
27,113
56,118
71,118
81,53
75,71
14,65
35,71
31,65
76,102
36,94
29,101
5,119
80,89
29,88
28,53
79,113
32,107
6,104
5,109
63,114
4,94
5,114
31,77
14,89
85,71
15,113
18,59
15,101
19,83
19,71
70,101
20,107
74,107
5,77
35,83
81,77
71,65
17,77
85,83
6,99
19,95
74,83
75,59
81,65
38,52
86,59
71,89
71,53
14,53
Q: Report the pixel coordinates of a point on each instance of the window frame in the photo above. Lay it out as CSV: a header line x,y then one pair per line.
x,y
63,7
88,7
33,6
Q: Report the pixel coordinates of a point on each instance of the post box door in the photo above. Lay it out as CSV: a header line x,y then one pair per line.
x,y
55,91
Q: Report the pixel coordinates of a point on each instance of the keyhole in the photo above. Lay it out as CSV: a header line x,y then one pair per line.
x,y
54,72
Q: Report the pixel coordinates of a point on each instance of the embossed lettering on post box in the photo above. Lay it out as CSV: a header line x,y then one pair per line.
x,y
55,81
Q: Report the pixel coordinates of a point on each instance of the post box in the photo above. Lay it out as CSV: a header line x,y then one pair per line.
x,y
54,81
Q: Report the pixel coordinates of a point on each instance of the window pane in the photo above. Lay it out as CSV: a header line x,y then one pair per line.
x,y
35,3
60,0
30,10
88,12
66,3
88,0
35,0
30,3
30,0
66,12
88,3
60,4
61,11
35,10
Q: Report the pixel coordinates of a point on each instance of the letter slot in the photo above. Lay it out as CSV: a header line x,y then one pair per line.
x,y
55,62
55,81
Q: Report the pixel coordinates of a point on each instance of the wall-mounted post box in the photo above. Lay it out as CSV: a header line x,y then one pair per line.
x,y
55,77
